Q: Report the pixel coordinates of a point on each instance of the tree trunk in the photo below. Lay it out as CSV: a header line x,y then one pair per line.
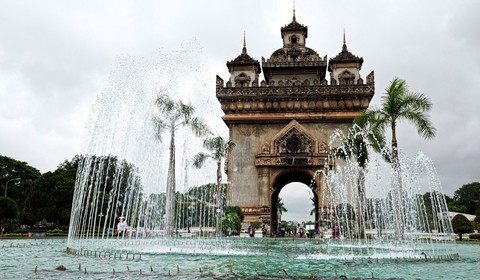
x,y
170,203
360,219
219,192
397,186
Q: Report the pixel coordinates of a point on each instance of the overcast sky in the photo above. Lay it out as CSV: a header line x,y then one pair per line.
x,y
56,56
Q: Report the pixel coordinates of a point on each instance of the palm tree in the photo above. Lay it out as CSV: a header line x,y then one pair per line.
x,y
219,149
174,114
281,207
400,104
312,211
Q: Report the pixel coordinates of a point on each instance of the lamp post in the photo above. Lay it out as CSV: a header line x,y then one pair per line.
x,y
6,185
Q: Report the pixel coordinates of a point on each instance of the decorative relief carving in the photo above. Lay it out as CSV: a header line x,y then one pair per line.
x,y
293,142
265,148
292,146
256,210
323,148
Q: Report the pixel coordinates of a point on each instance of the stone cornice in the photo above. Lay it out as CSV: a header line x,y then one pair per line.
x,y
307,92
281,117
337,103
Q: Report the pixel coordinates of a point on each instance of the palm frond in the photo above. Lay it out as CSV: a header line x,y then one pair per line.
x,y
199,159
160,127
186,111
198,126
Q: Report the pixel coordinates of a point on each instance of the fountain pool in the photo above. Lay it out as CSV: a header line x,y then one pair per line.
x,y
284,259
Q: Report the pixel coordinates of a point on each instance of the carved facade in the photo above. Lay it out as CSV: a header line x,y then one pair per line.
x,y
281,125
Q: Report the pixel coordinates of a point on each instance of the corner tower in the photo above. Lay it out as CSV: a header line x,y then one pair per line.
x,y
282,124
244,70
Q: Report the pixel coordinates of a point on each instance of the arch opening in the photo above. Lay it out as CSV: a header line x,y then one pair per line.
x,y
299,184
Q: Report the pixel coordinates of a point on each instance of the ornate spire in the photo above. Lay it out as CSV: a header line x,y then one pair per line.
x,y
294,19
244,50
244,58
344,56
294,26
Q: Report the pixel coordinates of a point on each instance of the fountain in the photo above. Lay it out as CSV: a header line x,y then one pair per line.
x,y
123,171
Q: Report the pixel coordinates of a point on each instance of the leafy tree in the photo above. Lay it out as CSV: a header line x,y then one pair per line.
x,y
468,196
433,203
477,215
173,115
257,224
377,212
345,210
155,208
477,220
234,209
219,149
8,211
231,224
11,169
461,225
51,197
200,203
454,208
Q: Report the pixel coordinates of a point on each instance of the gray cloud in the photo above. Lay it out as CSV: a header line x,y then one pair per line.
x,y
56,57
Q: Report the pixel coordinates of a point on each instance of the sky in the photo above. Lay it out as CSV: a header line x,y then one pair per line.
x,y
56,57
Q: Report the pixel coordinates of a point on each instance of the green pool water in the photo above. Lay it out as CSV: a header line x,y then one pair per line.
x,y
224,259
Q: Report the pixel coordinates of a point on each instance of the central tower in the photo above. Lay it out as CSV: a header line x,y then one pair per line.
x,y
281,124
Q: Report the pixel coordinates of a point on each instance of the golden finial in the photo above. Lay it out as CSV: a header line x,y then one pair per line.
x,y
294,19
244,40
244,50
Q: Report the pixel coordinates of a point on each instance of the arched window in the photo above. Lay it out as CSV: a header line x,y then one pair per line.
x,y
293,39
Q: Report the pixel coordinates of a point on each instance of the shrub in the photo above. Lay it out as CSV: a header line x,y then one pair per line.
x,y
231,224
461,225
475,236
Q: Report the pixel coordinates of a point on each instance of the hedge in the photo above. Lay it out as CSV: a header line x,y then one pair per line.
x,y
474,236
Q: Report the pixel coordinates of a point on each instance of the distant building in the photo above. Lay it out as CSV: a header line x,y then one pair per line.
x,y
450,215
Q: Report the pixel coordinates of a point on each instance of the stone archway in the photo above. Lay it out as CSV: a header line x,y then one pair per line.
x,y
293,154
281,125
286,177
